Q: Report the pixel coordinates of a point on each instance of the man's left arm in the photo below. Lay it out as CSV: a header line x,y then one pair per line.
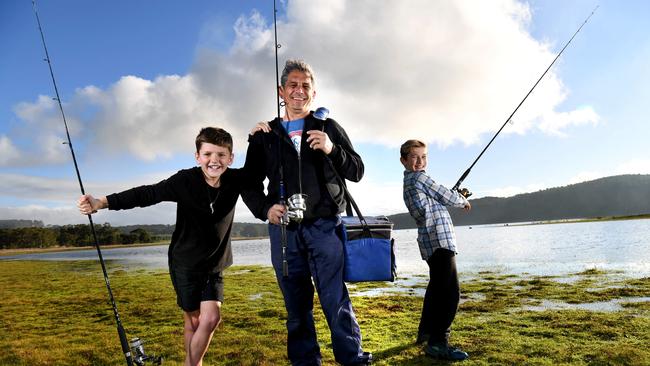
x,y
343,156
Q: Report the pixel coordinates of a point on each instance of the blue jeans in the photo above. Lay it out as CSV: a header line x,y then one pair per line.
x,y
315,251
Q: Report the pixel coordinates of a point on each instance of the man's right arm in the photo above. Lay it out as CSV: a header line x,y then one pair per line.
x,y
255,172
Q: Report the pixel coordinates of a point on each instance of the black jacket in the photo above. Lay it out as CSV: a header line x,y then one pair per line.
x,y
201,239
267,152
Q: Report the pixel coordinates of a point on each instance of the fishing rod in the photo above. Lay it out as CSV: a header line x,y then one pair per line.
x,y
464,191
138,355
284,220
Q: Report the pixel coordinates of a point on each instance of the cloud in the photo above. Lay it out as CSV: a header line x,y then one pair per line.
x,y
9,153
586,176
53,201
39,139
445,72
556,122
151,119
163,213
378,198
57,191
510,191
34,188
634,166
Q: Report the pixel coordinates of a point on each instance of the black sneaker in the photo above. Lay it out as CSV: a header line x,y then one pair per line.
x,y
444,352
422,338
364,359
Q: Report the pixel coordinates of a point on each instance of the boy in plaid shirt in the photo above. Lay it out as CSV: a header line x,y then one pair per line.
x,y
426,201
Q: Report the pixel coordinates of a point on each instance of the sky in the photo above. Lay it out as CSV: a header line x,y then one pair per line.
x,y
138,79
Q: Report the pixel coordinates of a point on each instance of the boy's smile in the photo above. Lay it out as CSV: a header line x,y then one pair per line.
x,y
416,160
213,160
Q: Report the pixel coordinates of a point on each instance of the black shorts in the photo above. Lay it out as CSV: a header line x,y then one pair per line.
x,y
193,287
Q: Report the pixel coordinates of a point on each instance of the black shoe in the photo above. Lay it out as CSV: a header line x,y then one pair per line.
x,y
444,352
422,338
364,359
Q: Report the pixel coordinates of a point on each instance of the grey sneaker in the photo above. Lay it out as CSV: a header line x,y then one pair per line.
x,y
444,352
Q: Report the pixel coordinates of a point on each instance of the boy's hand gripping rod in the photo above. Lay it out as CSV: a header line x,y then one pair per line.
x,y
464,191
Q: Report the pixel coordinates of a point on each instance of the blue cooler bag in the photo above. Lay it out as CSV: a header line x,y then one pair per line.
x,y
368,248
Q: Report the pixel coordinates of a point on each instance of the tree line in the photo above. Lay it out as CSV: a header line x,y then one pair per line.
x,y
70,235
34,236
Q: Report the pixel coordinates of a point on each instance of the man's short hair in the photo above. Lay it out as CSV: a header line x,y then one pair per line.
x,y
405,150
214,135
296,65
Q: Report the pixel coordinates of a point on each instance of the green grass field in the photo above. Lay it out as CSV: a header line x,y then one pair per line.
x,y
57,313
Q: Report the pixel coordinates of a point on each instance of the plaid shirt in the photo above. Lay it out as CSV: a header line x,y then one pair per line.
x,y
426,201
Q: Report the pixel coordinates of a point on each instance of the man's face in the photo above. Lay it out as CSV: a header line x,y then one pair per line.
x,y
298,94
214,160
416,160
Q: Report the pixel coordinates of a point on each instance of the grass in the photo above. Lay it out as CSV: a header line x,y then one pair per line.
x,y
57,313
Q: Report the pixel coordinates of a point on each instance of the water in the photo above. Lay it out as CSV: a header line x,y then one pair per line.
x,y
557,249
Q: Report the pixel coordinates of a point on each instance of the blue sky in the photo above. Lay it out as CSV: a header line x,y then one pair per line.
x,y
139,79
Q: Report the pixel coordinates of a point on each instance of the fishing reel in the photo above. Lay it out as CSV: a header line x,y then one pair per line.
x,y
464,192
139,357
296,208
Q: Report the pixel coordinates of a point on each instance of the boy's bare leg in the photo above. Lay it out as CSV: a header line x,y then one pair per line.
x,y
191,324
199,327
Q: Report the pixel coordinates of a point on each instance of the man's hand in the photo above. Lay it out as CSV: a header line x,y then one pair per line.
x,y
318,140
275,214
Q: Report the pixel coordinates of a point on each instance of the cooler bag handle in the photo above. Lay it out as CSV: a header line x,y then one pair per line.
x,y
362,219
351,201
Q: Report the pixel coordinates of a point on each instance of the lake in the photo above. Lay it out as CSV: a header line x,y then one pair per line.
x,y
552,249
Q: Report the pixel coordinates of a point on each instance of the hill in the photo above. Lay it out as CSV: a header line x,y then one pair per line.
x,y
621,195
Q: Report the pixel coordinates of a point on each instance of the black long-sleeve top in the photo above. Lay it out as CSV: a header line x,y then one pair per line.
x,y
201,239
268,151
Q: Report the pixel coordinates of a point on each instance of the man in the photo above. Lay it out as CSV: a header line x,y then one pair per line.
x,y
296,163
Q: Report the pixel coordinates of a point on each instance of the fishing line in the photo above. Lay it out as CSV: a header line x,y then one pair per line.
x,y
462,178
120,329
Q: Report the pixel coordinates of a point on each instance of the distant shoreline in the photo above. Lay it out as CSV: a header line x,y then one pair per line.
x,y
18,251
571,221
